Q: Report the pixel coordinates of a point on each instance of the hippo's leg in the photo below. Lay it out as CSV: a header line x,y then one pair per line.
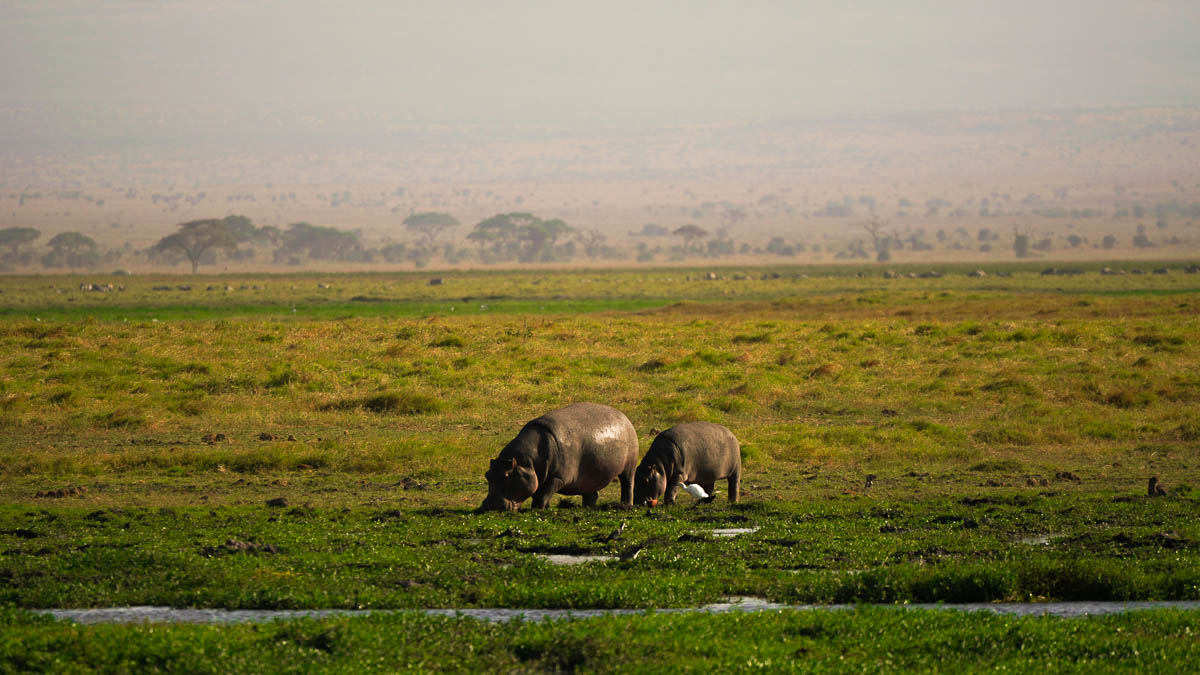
x,y
626,479
735,486
542,497
672,490
708,487
590,499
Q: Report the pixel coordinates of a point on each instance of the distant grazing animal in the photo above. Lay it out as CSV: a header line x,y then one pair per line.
x,y
576,450
698,453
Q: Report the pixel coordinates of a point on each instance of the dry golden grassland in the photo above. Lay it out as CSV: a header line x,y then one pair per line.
x,y
931,384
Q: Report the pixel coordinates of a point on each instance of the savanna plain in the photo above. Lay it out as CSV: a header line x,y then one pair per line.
x,y
319,441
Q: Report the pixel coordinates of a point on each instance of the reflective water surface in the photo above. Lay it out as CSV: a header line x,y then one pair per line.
x,y
221,616
569,559
733,531
1039,539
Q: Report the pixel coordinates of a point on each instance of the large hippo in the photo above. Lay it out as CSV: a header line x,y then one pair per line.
x,y
693,452
576,450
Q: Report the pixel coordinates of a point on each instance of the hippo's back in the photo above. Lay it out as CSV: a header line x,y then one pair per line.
x,y
588,424
598,441
703,447
699,435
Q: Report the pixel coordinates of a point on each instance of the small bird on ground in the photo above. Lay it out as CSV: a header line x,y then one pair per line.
x,y
632,552
698,492
616,534
1153,489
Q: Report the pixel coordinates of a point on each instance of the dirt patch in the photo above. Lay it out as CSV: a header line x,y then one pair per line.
x,y
236,546
60,493
825,370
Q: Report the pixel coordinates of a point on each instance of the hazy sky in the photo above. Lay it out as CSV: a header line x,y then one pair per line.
x,y
630,60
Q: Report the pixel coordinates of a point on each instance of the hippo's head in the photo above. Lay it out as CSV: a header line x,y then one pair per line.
x,y
510,482
649,484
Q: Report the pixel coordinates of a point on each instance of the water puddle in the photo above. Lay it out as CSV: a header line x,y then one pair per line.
x,y
1039,539
568,559
230,616
733,531
583,558
1061,609
208,616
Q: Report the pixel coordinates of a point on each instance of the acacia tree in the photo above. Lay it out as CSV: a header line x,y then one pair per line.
x,y
15,237
319,243
196,238
430,224
593,242
71,249
1021,242
880,239
498,234
519,235
538,239
241,227
691,234
1140,240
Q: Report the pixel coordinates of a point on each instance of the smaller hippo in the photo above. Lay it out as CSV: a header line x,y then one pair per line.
x,y
693,452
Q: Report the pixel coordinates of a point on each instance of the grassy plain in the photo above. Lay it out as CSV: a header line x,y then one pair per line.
x,y
938,439
382,375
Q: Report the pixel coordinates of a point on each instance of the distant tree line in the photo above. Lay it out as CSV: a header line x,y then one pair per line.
x,y
526,238
66,249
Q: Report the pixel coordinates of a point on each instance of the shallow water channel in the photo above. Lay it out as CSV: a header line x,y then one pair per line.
x,y
226,616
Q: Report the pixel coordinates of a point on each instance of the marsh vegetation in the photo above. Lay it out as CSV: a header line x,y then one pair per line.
x,y
320,440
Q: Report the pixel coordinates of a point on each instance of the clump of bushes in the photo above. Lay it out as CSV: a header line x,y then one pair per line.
x,y
396,402
997,465
282,376
448,341
651,366
122,418
755,338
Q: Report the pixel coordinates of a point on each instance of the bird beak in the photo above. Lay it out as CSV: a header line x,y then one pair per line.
x,y
652,502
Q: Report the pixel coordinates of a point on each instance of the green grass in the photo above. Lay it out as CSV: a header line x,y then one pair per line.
x,y
324,310
838,549
552,292
848,641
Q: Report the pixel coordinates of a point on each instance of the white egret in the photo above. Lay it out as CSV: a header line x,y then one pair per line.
x,y
698,492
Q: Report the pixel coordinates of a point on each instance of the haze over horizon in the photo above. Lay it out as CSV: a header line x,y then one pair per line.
x,y
304,68
777,128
